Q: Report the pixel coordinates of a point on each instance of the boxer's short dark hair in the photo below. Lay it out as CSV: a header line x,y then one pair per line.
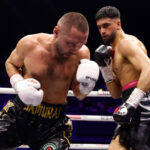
x,y
107,12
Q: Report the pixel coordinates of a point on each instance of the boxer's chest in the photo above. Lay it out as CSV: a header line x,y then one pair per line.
x,y
59,71
49,68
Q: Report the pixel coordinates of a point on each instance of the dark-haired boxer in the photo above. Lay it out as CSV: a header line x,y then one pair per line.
x,y
125,68
49,64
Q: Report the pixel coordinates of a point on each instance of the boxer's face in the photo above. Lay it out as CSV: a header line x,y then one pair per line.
x,y
68,43
108,29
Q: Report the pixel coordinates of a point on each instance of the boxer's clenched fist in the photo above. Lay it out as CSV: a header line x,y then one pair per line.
x,y
87,75
28,90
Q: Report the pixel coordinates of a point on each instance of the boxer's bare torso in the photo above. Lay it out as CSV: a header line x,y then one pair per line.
x,y
38,58
121,64
130,60
54,73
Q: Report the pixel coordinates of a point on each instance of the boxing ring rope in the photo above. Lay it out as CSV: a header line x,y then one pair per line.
x,y
91,118
70,93
83,146
78,118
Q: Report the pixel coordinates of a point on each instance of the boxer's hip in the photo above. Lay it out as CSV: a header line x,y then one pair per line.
x,y
40,122
44,111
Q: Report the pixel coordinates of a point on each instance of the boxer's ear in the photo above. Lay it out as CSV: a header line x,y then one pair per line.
x,y
118,24
56,30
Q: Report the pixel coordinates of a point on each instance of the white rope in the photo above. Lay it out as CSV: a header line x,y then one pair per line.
x,y
7,91
70,93
89,146
83,146
91,118
93,94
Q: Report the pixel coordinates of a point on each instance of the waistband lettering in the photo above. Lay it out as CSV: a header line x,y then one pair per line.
x,y
44,111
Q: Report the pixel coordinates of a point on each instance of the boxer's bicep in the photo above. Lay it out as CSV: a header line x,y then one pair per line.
x,y
135,55
16,59
13,63
138,59
142,63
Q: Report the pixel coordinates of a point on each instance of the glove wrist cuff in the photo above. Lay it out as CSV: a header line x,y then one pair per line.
x,y
135,97
15,78
86,89
107,74
84,60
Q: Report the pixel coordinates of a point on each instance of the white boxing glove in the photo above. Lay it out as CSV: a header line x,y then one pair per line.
x,y
28,90
87,75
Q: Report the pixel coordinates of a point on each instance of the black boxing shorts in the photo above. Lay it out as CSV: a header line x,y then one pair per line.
x,y
43,127
137,133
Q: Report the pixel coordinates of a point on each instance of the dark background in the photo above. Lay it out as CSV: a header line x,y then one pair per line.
x,y
22,17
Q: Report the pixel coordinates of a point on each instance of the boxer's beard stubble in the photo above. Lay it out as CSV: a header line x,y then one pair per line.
x,y
110,39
